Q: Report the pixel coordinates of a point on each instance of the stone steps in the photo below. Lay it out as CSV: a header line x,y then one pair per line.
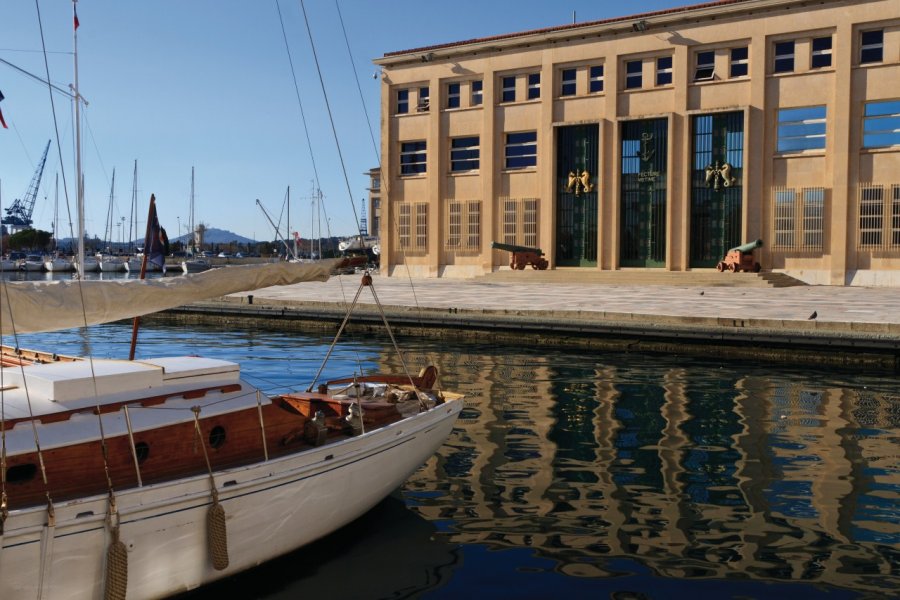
x,y
639,277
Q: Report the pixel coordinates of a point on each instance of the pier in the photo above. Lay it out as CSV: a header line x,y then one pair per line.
x,y
732,315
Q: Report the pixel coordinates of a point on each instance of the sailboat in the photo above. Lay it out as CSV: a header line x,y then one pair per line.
x,y
55,263
145,478
134,262
194,263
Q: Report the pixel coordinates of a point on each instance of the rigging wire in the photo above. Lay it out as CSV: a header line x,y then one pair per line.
x,y
382,175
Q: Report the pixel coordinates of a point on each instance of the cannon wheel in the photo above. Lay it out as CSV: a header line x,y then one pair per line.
x,y
733,267
757,268
720,266
520,266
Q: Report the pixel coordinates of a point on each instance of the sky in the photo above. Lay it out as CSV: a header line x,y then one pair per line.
x,y
176,85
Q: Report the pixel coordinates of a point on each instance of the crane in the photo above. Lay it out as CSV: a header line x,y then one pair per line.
x,y
18,216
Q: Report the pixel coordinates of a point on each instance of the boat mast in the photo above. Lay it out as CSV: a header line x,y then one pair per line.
x,y
134,215
79,176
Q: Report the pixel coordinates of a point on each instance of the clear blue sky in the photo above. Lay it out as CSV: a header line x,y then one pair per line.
x,y
176,84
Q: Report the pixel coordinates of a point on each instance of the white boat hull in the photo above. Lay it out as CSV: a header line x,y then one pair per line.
x,y
271,508
59,265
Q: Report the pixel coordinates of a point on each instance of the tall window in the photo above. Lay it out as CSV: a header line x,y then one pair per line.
x,y
813,218
706,66
464,154
634,74
784,57
664,70
404,225
534,86
739,62
596,81
521,150
423,100
881,124
784,218
520,221
412,158
879,217
421,239
402,102
476,92
568,82
453,95
821,52
871,49
508,92
801,128
463,225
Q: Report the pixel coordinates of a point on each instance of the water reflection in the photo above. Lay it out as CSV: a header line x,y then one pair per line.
x,y
696,471
588,473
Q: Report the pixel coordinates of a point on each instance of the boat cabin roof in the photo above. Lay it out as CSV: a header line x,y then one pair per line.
x,y
71,385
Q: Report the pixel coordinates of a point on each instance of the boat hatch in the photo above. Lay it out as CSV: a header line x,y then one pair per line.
x,y
69,381
195,369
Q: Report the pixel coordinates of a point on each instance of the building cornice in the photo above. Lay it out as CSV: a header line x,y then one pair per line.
x,y
635,25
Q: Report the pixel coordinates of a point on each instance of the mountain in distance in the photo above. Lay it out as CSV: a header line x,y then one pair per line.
x,y
216,236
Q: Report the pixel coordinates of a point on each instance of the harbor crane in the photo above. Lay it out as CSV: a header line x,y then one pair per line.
x,y
18,216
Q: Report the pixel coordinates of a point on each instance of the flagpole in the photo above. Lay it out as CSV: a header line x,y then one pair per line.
x,y
151,216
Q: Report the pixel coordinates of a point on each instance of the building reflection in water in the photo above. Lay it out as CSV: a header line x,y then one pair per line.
x,y
695,471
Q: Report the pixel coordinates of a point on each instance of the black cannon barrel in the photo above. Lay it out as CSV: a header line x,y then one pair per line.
x,y
514,248
748,247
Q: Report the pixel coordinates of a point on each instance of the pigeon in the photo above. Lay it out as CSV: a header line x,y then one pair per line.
x,y
812,316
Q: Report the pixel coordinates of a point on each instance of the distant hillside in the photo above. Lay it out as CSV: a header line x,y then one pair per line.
x,y
217,236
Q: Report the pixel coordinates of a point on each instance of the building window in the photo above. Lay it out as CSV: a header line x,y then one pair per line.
x,y
881,124
664,70
813,218
784,57
706,66
739,62
534,86
521,150
879,217
421,240
463,226
508,92
821,52
402,102
596,82
801,128
568,82
464,154
412,158
453,95
476,92
799,219
633,74
784,219
871,48
404,225
520,221
423,100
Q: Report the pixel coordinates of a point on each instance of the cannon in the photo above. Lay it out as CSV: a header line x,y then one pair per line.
x,y
521,256
740,258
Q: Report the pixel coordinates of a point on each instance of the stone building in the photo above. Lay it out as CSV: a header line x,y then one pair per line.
x,y
653,141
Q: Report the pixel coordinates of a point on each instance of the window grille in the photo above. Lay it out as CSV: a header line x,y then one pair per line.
x,y
879,217
421,225
404,211
785,200
813,218
520,221
463,226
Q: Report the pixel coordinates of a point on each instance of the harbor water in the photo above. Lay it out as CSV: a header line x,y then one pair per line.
x,y
591,475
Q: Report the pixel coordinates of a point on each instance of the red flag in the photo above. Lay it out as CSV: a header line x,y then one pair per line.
x,y
75,11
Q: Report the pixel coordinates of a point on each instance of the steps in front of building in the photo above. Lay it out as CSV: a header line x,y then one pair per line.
x,y
702,277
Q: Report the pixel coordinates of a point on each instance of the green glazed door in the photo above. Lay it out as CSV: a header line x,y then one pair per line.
x,y
716,192
576,196
643,197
